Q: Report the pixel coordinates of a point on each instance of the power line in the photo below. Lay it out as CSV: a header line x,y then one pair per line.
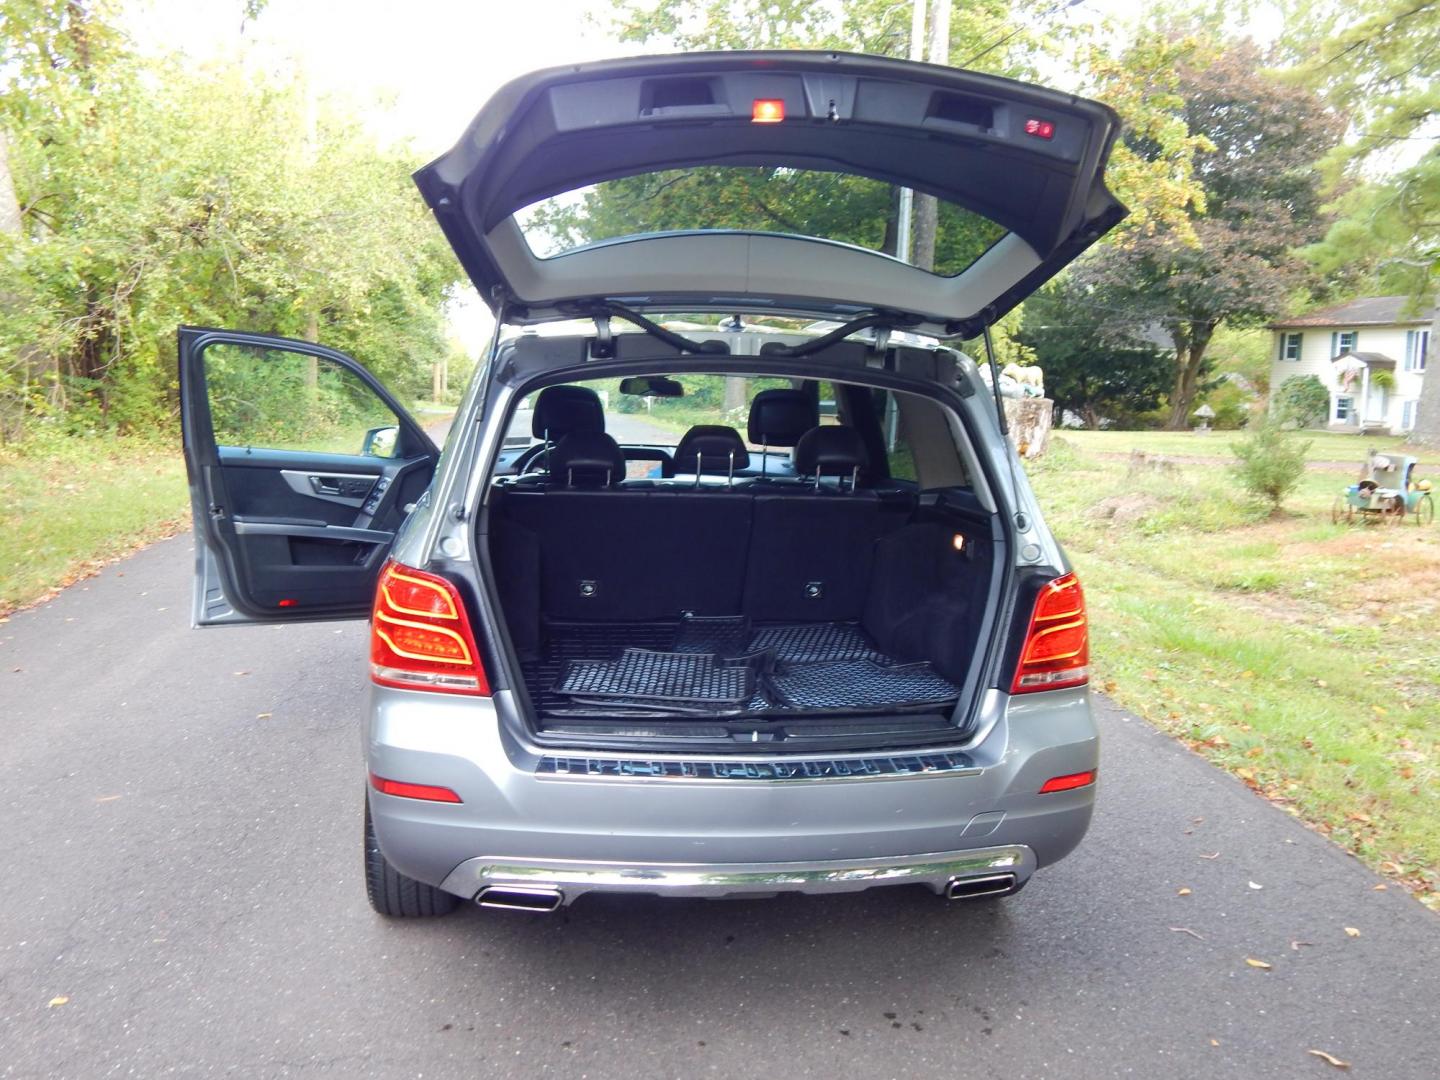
x,y
1052,10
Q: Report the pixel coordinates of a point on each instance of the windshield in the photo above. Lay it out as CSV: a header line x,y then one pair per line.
x,y
834,206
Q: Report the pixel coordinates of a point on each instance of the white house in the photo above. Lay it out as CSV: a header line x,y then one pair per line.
x,y
1368,353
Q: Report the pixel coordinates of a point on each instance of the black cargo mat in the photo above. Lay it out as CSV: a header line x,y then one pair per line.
x,y
651,676
723,668
851,684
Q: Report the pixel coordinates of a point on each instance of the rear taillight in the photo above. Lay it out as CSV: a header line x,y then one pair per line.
x,y
420,637
1057,643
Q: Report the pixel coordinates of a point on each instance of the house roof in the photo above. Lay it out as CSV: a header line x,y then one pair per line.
x,y
1369,311
1369,359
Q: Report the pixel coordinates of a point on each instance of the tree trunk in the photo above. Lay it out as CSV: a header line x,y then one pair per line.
x,y
1427,413
1189,359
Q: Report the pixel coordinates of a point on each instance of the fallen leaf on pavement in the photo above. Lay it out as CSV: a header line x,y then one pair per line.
x,y
262,716
242,673
1296,944
1380,888
1214,1042
1212,855
107,798
1261,964
56,1002
1183,891
1351,931
1256,885
1187,930
1329,1059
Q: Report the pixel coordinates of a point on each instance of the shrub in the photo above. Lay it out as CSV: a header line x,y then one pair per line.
x,y
1302,401
1270,462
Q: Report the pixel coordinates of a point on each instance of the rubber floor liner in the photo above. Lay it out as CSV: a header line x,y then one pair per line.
x,y
856,684
722,635
815,643
645,675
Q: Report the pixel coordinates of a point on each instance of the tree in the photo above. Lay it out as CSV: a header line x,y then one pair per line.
x,y
1089,370
1270,463
1376,60
1262,199
155,192
1301,401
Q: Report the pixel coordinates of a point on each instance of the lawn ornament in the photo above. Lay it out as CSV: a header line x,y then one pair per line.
x,y
1387,491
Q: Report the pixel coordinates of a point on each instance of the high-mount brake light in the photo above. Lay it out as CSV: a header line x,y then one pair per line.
x,y
420,637
767,111
1057,642
1041,129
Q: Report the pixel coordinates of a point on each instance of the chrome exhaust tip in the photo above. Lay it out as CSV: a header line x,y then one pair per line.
x,y
972,888
537,901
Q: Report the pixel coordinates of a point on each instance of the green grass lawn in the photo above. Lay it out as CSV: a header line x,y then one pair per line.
x,y
1301,655
1325,445
84,503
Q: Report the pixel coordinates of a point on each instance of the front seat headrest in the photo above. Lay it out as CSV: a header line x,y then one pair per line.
x,y
560,410
830,451
780,417
720,450
587,459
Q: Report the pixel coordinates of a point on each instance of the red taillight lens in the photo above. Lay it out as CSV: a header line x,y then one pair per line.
x,y
1068,783
428,792
1057,644
1042,129
420,637
767,111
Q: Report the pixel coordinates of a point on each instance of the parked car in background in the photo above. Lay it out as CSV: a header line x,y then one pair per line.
x,y
777,651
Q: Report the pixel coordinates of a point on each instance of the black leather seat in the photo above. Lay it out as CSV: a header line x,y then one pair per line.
x,y
560,410
586,459
712,449
780,417
835,452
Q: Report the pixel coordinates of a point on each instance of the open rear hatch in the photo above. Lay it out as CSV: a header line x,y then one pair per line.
x,y
1025,160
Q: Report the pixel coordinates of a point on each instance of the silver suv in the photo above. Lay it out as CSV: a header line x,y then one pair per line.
x,y
655,621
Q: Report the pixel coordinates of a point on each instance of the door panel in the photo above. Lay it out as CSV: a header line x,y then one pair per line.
x,y
302,467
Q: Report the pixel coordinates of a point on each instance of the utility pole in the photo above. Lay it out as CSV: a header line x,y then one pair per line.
x,y
907,197
927,208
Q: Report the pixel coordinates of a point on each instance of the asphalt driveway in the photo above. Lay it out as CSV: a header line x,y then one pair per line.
x,y
180,832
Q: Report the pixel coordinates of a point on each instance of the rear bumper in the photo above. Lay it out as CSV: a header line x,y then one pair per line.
x,y
937,871
701,836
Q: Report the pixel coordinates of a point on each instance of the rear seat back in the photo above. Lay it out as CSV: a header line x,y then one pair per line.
x,y
776,552
632,556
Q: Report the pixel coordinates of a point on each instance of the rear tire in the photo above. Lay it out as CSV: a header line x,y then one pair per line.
x,y
393,894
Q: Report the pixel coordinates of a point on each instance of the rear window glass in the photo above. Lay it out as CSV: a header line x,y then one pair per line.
x,y
834,206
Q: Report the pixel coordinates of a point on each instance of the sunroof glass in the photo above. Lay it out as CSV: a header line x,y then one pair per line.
x,y
831,206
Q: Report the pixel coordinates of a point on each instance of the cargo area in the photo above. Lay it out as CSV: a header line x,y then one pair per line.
x,y
762,603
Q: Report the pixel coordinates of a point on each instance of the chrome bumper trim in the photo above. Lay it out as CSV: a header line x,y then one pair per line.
x,y
937,871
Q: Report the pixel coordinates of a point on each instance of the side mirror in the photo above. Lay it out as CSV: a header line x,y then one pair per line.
x,y
380,442
651,386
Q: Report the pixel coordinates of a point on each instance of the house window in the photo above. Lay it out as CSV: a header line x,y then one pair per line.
x,y
1290,346
1417,344
1342,342
1407,416
1344,405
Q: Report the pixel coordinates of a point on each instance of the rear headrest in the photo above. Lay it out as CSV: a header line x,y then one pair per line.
x,y
780,417
830,451
586,459
716,444
559,410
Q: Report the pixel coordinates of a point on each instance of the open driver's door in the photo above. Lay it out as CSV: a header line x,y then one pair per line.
x,y
302,466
